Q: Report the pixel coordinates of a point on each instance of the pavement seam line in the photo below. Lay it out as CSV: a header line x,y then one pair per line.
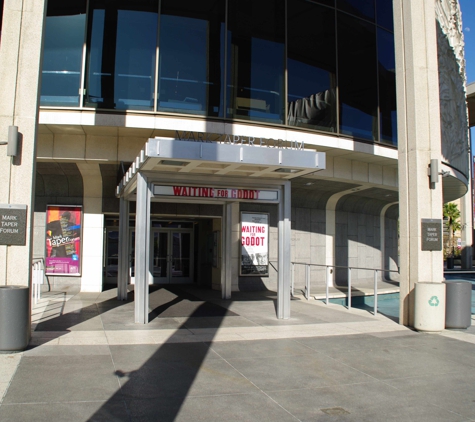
x,y
260,389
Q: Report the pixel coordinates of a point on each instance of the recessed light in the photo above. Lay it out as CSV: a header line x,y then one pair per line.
x,y
174,163
287,170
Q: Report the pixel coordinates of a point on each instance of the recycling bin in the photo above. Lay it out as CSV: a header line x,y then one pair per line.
x,y
429,312
14,318
458,313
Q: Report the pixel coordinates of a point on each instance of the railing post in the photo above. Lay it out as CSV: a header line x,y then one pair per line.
x,y
349,288
375,292
327,282
307,282
292,280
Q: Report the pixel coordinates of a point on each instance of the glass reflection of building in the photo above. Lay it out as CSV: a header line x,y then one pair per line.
x,y
324,65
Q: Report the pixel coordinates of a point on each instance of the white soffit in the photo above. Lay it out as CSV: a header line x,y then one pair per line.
x,y
167,155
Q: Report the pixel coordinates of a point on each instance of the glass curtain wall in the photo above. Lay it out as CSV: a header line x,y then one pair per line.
x,y
325,65
62,54
357,77
311,64
122,44
191,66
256,59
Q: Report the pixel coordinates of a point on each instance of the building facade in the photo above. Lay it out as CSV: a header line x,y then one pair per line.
x,y
254,84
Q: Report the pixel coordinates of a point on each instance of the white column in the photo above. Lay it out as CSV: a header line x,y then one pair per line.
x,y
20,50
419,141
124,259
283,284
466,214
93,228
142,253
226,279
382,237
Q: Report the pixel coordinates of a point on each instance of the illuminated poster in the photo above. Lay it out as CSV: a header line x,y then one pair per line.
x,y
254,244
63,240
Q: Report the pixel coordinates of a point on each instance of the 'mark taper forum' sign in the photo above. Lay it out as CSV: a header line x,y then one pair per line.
x,y
12,224
431,234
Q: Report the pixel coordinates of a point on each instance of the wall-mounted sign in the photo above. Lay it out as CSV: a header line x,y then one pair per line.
x,y
216,193
254,244
12,224
431,234
63,240
238,140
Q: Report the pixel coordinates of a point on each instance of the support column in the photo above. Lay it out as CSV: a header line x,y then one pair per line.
x,y
227,252
20,51
419,141
466,214
142,253
283,284
124,258
93,228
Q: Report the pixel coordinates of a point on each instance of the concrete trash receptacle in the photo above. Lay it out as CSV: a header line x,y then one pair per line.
x,y
458,313
429,312
14,318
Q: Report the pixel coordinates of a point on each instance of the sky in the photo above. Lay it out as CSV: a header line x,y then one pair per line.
x,y
468,22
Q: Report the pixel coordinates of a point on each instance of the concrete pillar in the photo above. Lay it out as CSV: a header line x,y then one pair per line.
x,y
226,273
20,51
142,250
283,284
93,228
466,214
419,141
124,258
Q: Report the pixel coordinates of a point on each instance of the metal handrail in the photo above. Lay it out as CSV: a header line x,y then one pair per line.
x,y
329,270
38,273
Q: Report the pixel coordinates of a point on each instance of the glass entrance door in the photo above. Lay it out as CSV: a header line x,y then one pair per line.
x,y
172,256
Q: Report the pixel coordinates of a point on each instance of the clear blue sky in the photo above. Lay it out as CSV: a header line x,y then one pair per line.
x,y
468,21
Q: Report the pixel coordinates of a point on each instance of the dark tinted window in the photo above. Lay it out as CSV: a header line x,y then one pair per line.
x,y
62,53
361,8
191,57
387,87
384,14
255,77
357,77
122,51
311,66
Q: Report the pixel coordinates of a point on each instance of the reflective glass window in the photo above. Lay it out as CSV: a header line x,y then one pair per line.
x,y
384,14
361,8
122,41
255,75
387,87
62,53
311,66
191,67
357,77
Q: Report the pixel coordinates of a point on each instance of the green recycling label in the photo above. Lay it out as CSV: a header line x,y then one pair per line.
x,y
434,301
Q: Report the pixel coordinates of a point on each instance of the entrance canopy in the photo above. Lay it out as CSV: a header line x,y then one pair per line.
x,y
221,159
223,173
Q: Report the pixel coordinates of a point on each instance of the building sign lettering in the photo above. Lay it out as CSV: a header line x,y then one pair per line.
x,y
431,234
12,224
216,193
238,140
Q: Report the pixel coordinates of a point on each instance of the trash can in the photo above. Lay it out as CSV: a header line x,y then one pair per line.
x,y
14,318
429,312
458,313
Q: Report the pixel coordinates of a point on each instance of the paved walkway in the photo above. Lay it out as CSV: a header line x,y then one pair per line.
x,y
204,359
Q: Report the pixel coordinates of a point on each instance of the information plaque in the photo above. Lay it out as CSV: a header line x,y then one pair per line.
x,y
12,224
431,234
